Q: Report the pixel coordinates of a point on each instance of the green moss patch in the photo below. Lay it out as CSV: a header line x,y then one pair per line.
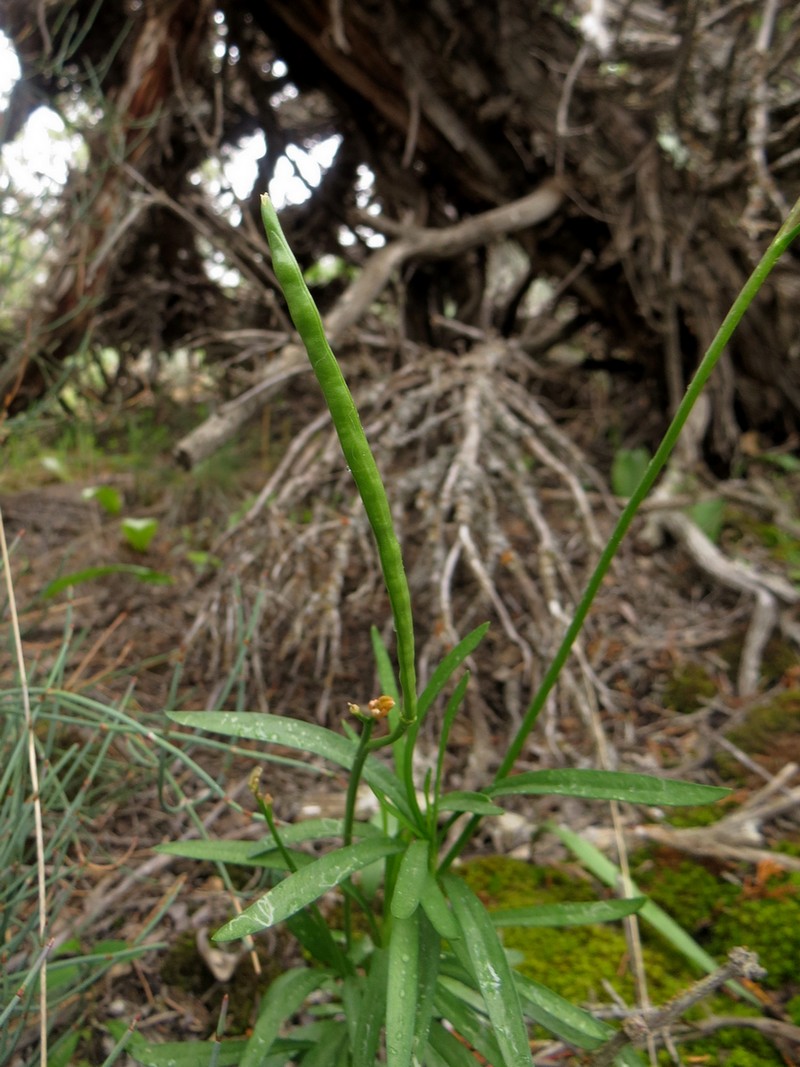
x,y
718,910
689,688
771,732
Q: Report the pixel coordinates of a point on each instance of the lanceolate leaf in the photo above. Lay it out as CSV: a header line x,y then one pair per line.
x,y
568,914
303,736
239,852
284,997
444,1050
410,880
607,785
492,973
372,1012
561,1017
435,906
451,661
306,886
475,803
401,993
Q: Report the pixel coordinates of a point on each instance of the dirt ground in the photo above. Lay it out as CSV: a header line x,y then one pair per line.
x,y
660,660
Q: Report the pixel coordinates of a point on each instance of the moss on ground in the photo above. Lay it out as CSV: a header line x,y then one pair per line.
x,y
718,911
770,732
689,687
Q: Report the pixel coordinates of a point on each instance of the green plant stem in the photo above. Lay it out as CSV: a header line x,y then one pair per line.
x,y
787,233
350,812
354,445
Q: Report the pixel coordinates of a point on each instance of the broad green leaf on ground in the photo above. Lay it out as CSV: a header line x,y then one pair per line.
x,y
306,886
142,574
139,532
109,498
607,785
627,470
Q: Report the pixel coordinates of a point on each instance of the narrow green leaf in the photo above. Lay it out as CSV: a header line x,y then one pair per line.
x,y
568,914
311,933
430,948
383,662
469,1023
239,852
450,712
179,1053
560,1016
326,1051
630,1057
410,880
284,997
303,736
435,906
355,446
462,800
312,830
388,683
607,785
401,991
372,1011
444,1050
492,973
306,886
449,664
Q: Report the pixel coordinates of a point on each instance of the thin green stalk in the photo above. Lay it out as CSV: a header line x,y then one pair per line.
x,y
355,447
787,233
350,812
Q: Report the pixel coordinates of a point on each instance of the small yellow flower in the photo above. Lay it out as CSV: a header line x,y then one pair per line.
x,y
380,707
